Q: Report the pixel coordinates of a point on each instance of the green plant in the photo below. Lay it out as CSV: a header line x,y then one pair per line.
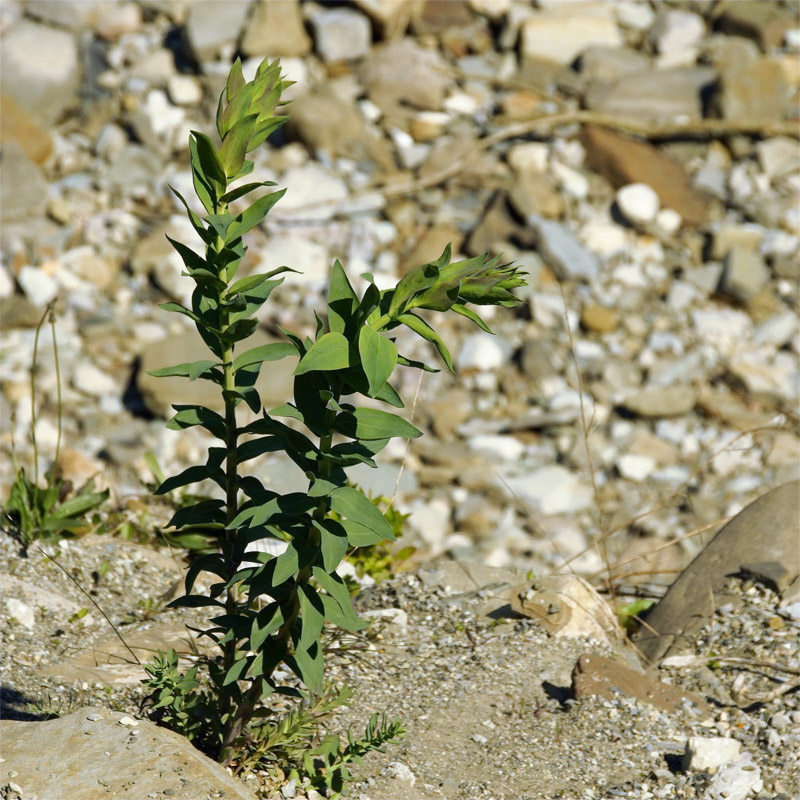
x,y
270,611
629,614
54,510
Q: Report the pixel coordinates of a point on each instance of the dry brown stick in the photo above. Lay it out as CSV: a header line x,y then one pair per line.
x,y
546,122
670,543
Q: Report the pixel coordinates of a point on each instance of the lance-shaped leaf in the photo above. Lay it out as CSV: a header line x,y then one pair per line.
x,y
312,615
265,623
329,352
338,591
266,352
235,144
378,357
193,370
333,543
188,416
372,423
342,301
241,191
309,666
353,505
416,281
419,326
253,215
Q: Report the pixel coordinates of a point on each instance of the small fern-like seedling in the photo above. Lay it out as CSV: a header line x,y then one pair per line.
x,y
270,611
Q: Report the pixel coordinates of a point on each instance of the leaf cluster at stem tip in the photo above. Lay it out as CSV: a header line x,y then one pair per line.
x,y
269,611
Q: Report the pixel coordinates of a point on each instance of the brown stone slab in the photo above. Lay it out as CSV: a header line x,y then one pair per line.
x,y
598,675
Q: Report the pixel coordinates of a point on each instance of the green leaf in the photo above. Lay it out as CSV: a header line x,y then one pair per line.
x,y
204,233
179,309
241,191
189,416
419,326
252,216
471,315
329,352
378,357
312,616
309,666
235,672
265,622
267,352
79,504
286,565
206,160
371,423
212,562
235,144
240,330
416,281
190,475
354,505
407,362
333,543
342,301
338,591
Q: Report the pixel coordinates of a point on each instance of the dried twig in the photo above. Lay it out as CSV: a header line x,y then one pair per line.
x,y
710,128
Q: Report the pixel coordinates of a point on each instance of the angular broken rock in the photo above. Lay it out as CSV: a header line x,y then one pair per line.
x,y
767,530
91,756
601,676
568,606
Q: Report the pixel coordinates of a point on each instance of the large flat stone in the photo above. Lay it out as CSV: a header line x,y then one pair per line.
x,y
92,755
768,530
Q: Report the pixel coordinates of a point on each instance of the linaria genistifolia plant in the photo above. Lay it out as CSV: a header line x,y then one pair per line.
x,y
270,611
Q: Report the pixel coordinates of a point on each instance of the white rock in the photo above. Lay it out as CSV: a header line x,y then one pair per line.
x,y
669,221
635,468
128,722
726,329
6,283
738,780
778,330
562,32
677,31
638,203
634,14
494,9
778,156
483,351
431,520
706,753
605,238
311,258
572,181
551,490
162,116
497,447
682,295
91,380
460,103
401,772
21,612
529,156
393,616
39,287
184,90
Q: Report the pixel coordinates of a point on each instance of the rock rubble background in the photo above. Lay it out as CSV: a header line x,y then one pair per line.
x,y
640,158
416,124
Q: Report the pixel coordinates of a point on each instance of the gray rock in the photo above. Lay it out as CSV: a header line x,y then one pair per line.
x,y
562,250
779,156
75,756
737,780
607,64
764,21
404,73
135,167
341,34
213,25
744,273
755,91
275,29
664,401
658,96
767,530
46,85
